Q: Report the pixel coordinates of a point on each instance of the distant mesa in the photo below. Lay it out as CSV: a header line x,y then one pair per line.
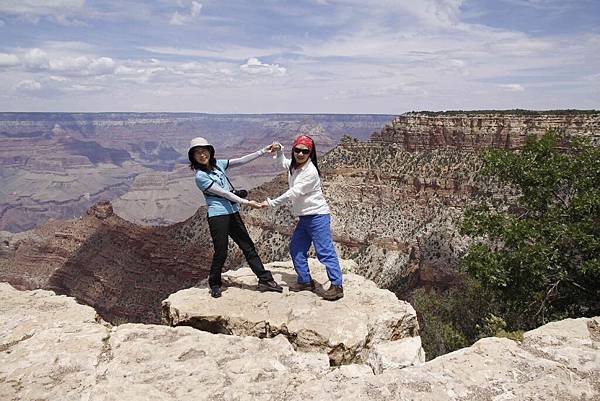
x,y
95,152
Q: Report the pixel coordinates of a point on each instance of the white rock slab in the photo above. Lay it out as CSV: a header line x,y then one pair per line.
x,y
345,329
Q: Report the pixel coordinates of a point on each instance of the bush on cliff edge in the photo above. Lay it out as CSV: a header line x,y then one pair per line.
x,y
535,258
539,257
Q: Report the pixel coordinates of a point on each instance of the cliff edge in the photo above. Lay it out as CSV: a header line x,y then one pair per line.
x,y
53,348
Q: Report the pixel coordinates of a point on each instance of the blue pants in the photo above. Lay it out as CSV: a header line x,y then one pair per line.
x,y
315,229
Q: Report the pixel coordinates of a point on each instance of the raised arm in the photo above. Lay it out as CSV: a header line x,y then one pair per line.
x,y
281,159
245,159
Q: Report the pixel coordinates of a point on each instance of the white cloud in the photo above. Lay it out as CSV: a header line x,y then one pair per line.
x,y
512,87
196,8
256,67
8,59
183,19
396,54
40,7
441,13
36,59
140,73
83,65
178,19
231,52
29,85
83,88
517,44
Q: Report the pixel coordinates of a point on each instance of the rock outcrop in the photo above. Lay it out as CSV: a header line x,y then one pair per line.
x,y
121,269
346,330
55,349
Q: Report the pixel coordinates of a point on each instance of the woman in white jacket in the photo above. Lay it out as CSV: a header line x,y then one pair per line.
x,y
308,203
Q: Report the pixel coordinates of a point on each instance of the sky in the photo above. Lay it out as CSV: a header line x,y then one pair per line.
x,y
298,56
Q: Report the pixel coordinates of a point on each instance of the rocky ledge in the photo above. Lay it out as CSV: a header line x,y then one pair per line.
x,y
53,348
353,329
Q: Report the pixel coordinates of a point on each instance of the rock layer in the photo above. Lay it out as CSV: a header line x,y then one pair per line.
x,y
56,165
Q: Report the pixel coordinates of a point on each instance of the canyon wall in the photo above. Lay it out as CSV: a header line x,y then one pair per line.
x,y
396,199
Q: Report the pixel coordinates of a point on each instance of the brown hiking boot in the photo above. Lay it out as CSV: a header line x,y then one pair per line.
x,y
304,287
334,292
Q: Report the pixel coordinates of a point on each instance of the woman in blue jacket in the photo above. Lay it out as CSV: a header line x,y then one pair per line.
x,y
224,219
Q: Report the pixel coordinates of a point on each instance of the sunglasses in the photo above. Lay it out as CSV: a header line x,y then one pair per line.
x,y
303,151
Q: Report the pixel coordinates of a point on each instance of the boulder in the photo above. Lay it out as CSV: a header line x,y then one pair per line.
x,y
346,329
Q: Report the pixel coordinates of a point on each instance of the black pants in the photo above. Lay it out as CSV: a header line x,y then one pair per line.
x,y
231,225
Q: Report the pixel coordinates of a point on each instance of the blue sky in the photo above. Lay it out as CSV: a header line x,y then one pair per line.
x,y
301,56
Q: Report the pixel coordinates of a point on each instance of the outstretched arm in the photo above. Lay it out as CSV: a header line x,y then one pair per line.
x,y
301,187
240,161
217,190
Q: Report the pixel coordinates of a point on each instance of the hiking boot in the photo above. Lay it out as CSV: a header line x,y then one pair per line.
x,y
215,292
333,293
269,286
304,286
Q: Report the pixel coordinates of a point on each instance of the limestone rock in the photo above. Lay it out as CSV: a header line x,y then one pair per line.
x,y
571,342
150,362
345,329
49,345
58,165
397,198
492,369
57,351
121,269
52,348
102,210
396,354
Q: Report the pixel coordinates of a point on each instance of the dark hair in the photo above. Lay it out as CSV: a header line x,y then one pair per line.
x,y
313,158
212,162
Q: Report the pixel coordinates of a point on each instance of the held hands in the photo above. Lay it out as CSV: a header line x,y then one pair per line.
x,y
257,205
275,146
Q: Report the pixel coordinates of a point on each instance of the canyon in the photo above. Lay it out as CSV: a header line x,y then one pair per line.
x,y
395,198
56,165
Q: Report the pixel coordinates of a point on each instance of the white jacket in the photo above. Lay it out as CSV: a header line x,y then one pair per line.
x,y
305,189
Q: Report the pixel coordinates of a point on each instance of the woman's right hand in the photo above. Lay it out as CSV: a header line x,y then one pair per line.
x,y
255,205
275,146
